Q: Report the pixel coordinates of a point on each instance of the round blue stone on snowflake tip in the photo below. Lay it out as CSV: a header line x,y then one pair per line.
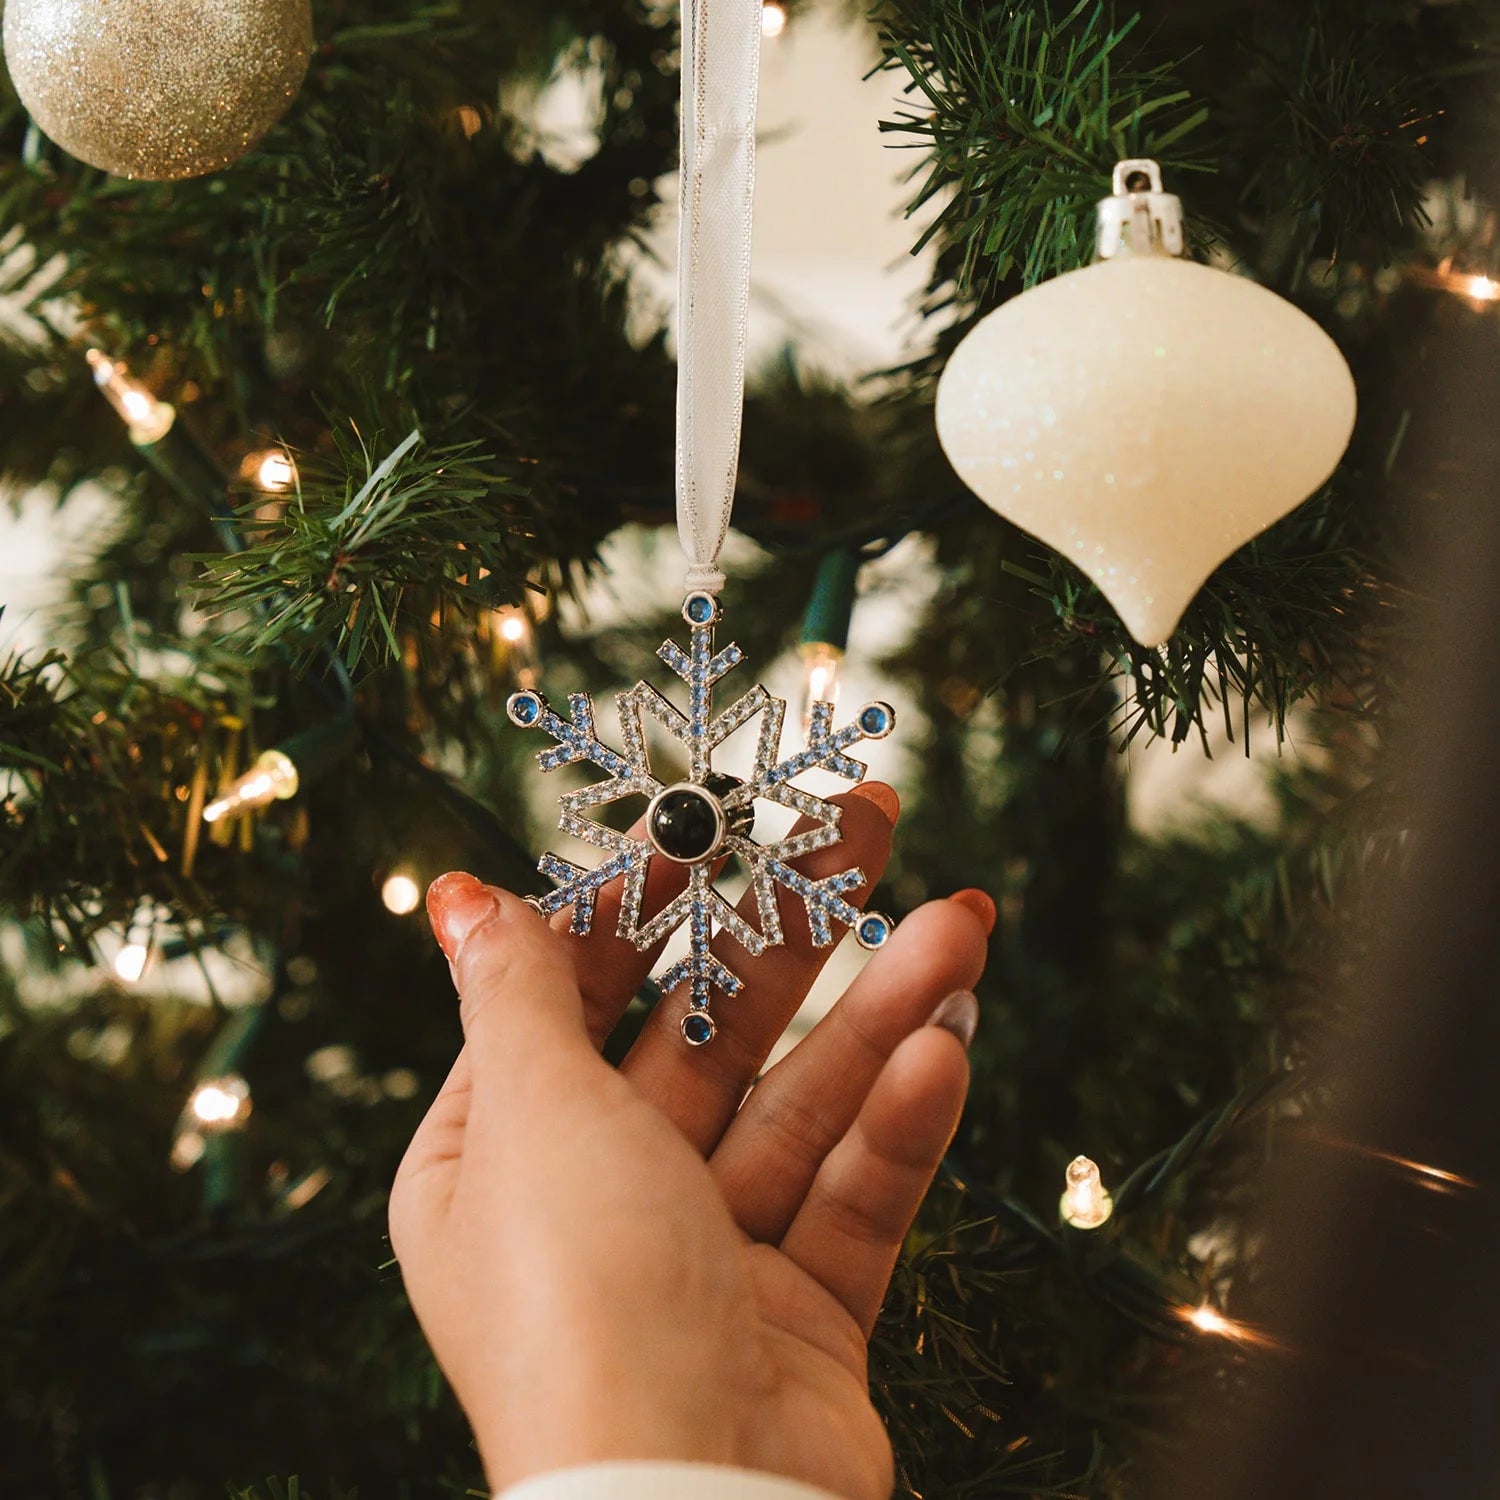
x,y
698,1028
700,609
524,709
873,930
876,720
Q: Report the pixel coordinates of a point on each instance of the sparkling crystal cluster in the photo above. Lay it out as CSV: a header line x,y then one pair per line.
x,y
704,819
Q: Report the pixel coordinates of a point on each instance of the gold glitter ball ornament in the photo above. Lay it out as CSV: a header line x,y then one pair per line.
x,y
158,89
1145,416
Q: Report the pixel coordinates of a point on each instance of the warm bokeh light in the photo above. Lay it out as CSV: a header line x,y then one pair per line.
x,y
401,894
275,471
272,776
821,667
1207,1318
148,419
772,19
1085,1204
130,961
1439,1179
220,1101
1481,288
513,626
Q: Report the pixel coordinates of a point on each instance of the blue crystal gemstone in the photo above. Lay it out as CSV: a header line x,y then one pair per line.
x,y
524,708
876,719
698,1028
700,609
873,930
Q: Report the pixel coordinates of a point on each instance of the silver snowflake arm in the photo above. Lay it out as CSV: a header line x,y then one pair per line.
x,y
702,970
700,667
824,750
577,741
579,888
823,900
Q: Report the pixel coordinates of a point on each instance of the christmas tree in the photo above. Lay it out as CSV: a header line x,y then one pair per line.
x,y
381,400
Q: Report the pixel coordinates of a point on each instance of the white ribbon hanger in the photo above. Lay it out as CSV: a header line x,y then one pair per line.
x,y
721,42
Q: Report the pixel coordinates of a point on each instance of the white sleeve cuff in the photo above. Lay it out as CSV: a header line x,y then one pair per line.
x,y
661,1481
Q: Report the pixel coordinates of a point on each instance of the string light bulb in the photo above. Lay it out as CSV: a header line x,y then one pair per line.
x,y
514,645
772,18
820,674
272,778
269,469
825,627
131,961
134,954
1085,1204
401,894
1478,288
220,1103
1207,1318
148,419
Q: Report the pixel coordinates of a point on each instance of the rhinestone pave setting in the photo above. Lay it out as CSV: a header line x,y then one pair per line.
x,y
675,829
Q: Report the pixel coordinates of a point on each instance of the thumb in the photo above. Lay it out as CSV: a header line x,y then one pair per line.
x,y
517,994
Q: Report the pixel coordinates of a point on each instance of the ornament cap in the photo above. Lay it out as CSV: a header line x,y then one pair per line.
x,y
1138,218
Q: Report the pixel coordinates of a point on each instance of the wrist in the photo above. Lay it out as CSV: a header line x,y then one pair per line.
x,y
627,1420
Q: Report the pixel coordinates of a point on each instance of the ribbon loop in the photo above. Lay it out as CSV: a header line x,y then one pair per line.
x,y
720,76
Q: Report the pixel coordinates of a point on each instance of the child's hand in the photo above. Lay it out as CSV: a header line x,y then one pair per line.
x,y
631,1264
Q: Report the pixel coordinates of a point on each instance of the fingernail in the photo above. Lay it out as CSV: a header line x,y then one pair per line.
x,y
456,904
882,796
975,900
959,1013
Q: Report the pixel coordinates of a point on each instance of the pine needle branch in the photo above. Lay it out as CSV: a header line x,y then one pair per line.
x,y
92,756
1021,112
353,567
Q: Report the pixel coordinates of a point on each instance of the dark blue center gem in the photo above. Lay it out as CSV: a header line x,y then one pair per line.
x,y
700,608
873,931
525,708
875,719
685,824
697,1027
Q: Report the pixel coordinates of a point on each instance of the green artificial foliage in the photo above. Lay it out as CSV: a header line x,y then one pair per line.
x,y
421,301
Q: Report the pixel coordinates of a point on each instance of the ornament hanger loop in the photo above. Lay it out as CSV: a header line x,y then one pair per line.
x,y
1139,219
720,77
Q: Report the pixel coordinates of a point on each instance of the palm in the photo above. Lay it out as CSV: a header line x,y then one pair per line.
x,y
823,1427
730,1250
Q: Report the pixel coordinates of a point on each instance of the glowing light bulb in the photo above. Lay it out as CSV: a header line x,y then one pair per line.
x,y
130,961
514,646
1207,1319
772,19
820,683
1085,1204
401,894
1482,288
148,419
220,1103
275,471
272,778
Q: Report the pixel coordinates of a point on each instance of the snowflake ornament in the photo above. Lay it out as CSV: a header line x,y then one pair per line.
x,y
708,816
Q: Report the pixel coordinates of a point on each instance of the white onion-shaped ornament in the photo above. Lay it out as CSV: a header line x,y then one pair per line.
x,y
159,89
1145,416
